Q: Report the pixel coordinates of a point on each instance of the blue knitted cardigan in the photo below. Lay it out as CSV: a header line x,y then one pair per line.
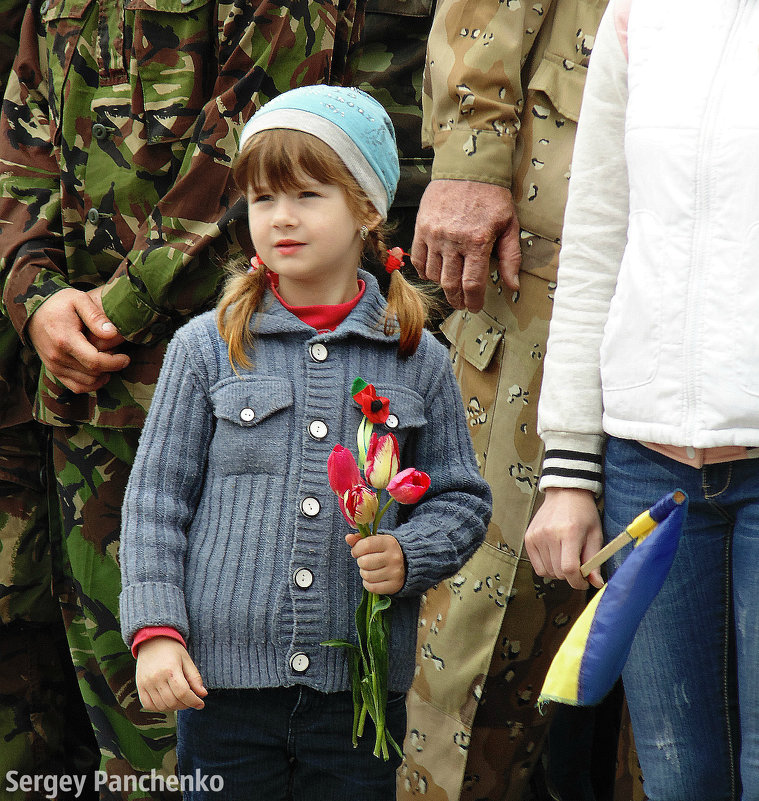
x,y
228,498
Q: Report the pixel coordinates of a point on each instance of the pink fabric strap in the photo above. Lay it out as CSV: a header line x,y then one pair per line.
x,y
621,16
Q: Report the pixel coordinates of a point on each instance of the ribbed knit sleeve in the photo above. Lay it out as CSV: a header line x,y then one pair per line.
x,y
449,523
160,498
593,242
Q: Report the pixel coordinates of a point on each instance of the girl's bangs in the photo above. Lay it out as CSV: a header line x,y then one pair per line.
x,y
284,160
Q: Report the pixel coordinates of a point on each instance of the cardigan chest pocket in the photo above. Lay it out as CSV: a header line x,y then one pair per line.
x,y
406,416
253,426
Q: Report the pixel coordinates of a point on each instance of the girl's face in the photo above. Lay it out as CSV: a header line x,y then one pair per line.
x,y
310,238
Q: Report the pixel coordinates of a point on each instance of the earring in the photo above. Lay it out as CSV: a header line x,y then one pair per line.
x,y
363,232
255,264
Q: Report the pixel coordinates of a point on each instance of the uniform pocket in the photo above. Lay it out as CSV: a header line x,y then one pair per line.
x,y
173,55
562,81
253,423
63,21
476,337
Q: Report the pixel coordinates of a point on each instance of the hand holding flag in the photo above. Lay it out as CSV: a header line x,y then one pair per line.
x,y
594,652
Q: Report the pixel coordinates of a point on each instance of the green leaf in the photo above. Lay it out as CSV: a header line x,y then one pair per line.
x,y
340,644
362,617
358,384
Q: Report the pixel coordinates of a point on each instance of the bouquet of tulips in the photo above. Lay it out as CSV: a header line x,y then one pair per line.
x,y
379,458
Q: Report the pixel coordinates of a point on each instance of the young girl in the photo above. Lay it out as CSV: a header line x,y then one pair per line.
x,y
233,542
653,361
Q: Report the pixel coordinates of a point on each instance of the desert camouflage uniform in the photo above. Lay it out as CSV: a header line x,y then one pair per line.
x,y
44,728
502,94
119,128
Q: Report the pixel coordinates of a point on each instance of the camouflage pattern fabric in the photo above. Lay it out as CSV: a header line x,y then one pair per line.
x,y
91,469
118,131
389,65
502,95
25,562
119,127
44,728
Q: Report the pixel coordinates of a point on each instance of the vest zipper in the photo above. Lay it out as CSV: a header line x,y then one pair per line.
x,y
704,180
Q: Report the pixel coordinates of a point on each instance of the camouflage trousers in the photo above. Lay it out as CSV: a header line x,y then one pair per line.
x,y
44,729
137,748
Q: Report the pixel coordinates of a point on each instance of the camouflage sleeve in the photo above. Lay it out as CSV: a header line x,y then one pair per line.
x,y
172,268
171,272
30,198
472,90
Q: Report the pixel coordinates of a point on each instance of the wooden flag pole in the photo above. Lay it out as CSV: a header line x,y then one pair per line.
x,y
643,525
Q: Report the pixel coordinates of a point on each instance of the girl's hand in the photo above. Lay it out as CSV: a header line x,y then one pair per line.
x,y
167,678
565,532
380,561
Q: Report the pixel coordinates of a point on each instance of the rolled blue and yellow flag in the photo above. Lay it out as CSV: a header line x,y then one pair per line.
x,y
592,656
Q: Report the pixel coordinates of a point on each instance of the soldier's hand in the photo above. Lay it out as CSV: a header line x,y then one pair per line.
x,y
380,562
167,678
58,329
459,226
113,339
565,533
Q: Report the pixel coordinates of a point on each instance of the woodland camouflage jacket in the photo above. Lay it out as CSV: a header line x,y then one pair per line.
x,y
119,126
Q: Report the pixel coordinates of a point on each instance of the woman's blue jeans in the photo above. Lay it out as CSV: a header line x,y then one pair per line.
x,y
286,743
692,679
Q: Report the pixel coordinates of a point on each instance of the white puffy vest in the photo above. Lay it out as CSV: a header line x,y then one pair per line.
x,y
680,356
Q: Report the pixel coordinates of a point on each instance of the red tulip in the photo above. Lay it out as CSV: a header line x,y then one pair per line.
x,y
409,485
342,471
360,505
382,460
343,474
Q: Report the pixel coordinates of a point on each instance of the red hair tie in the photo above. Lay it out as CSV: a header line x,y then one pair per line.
x,y
394,260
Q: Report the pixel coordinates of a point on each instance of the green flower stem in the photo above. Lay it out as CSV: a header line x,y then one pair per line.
x,y
361,721
380,515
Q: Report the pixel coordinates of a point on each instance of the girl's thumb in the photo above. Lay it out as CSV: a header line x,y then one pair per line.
x,y
194,679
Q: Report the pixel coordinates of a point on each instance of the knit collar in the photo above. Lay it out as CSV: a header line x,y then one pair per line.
x,y
321,317
366,319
